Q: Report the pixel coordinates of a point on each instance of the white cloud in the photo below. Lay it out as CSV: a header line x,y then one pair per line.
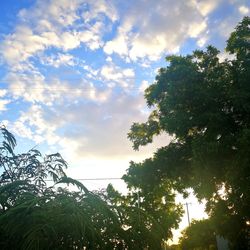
x,y
3,92
197,28
119,45
61,12
207,6
59,60
109,59
101,6
162,30
122,76
106,138
244,10
219,29
225,27
55,24
143,86
3,104
33,125
24,43
91,134
21,45
128,73
21,129
33,87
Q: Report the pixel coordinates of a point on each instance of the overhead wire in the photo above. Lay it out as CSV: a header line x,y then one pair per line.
x,y
74,89
94,179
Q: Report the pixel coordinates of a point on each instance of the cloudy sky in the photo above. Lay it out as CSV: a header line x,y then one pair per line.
x,y
73,72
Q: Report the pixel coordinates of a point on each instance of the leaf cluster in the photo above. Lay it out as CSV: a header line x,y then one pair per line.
x,y
204,104
35,215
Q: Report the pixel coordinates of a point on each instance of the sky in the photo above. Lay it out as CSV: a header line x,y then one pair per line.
x,y
73,72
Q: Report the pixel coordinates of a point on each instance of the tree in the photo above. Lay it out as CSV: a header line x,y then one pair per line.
x,y
36,213
199,235
204,104
147,219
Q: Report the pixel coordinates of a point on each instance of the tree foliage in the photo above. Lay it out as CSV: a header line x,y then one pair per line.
x,y
38,211
200,235
204,104
147,219
36,215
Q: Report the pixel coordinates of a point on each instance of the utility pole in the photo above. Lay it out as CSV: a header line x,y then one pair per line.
x,y
188,213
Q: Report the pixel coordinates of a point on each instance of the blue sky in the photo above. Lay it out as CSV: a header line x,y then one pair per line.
x,y
73,72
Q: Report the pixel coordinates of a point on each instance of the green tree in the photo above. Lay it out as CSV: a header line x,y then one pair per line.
x,y
35,215
204,104
39,214
146,218
200,235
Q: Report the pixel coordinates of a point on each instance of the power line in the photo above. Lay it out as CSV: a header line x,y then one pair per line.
x,y
73,89
94,179
100,179
120,178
